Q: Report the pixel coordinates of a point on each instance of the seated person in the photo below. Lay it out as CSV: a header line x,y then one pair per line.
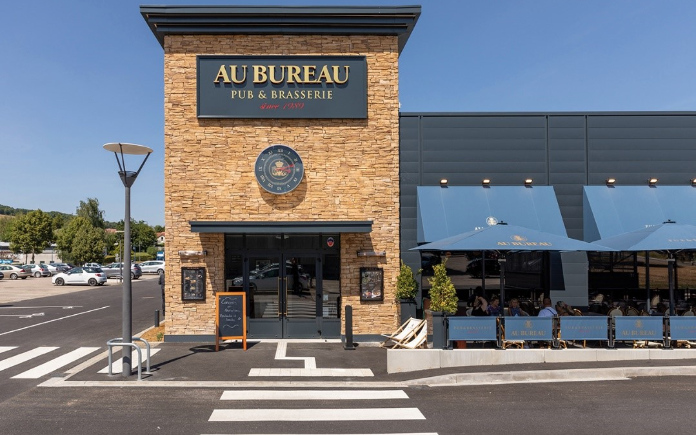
x,y
480,307
564,309
494,307
548,310
515,310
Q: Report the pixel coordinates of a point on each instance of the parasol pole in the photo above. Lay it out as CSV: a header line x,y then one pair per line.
x,y
502,261
670,278
647,281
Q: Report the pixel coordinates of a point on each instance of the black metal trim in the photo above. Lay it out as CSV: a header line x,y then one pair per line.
x,y
273,20
293,227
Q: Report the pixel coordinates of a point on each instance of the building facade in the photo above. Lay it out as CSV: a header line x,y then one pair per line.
x,y
291,176
306,251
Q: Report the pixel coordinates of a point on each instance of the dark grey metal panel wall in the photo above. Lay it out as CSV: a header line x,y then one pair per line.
x,y
410,177
634,148
564,150
568,167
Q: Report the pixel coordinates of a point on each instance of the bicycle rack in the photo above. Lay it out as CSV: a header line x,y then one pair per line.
x,y
119,342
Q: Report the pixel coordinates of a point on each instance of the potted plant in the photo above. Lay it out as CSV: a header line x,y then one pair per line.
x,y
406,291
443,301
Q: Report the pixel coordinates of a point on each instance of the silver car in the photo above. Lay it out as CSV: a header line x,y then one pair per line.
x,y
154,266
37,270
114,270
13,272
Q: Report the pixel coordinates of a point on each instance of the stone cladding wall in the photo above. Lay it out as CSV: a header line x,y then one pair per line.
x,y
351,172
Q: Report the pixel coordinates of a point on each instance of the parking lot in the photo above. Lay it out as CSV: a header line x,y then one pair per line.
x,y
30,288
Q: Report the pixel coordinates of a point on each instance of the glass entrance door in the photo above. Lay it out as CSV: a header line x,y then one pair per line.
x,y
284,295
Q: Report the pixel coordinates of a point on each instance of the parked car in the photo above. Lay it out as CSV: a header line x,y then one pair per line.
x,y
14,272
52,268
37,270
114,270
92,265
154,266
62,267
81,276
266,279
2,275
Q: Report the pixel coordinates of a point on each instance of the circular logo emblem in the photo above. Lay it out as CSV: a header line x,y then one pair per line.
x,y
279,169
330,242
490,220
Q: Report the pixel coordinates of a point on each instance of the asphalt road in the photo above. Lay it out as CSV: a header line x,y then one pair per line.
x,y
80,317
89,317
640,406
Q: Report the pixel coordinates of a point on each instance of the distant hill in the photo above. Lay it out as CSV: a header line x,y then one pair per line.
x,y
6,210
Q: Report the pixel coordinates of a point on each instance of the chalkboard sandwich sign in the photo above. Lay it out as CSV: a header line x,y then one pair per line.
x,y
230,318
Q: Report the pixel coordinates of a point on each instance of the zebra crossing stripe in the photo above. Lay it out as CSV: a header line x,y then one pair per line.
x,y
56,363
23,357
117,366
339,414
313,395
6,348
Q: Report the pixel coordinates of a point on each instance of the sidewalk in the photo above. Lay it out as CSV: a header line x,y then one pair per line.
x,y
326,364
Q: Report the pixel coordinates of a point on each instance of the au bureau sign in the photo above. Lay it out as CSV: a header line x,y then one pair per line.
x,y
282,86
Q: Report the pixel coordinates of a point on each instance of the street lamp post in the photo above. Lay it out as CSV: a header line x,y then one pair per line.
x,y
128,178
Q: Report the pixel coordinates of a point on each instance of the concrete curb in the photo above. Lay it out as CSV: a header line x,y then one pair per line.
x,y
537,376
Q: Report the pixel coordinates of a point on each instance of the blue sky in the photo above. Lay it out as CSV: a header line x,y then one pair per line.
x,y
80,73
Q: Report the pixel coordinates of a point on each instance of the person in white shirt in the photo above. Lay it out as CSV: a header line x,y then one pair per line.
x,y
548,310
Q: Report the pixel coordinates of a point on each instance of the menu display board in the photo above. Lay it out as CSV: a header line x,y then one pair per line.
x,y
371,284
230,317
192,283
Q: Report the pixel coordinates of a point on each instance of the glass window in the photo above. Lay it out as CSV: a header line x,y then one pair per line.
x,y
331,274
302,241
263,241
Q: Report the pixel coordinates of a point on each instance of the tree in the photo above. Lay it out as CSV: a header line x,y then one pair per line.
x,y
88,246
443,296
90,211
6,227
142,235
31,233
158,229
80,242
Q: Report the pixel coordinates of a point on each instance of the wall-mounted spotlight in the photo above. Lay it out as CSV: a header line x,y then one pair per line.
x,y
693,182
443,182
528,182
652,182
486,182
610,182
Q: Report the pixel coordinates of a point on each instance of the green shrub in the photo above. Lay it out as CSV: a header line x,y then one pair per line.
x,y
443,296
406,284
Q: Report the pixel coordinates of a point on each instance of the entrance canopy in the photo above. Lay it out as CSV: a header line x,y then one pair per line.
x,y
610,211
302,227
447,211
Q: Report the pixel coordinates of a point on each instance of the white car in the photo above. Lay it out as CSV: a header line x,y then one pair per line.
x,y
81,276
154,266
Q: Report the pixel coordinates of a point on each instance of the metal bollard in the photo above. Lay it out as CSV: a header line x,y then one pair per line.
x,y
349,329
157,321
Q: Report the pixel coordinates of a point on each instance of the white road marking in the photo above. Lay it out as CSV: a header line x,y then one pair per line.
x,y
310,362
6,348
23,357
56,363
54,320
65,307
313,395
339,414
117,365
